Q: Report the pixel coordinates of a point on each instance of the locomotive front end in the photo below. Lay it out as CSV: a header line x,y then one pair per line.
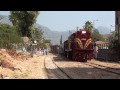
x,y
82,48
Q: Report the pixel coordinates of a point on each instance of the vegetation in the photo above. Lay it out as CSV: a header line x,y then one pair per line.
x,y
97,36
88,26
113,39
8,36
37,35
1,17
23,21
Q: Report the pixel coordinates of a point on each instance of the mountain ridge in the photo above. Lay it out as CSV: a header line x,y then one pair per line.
x,y
54,36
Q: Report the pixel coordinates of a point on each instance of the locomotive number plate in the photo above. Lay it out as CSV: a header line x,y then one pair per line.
x,y
83,39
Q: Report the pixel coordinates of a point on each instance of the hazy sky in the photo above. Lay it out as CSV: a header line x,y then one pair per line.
x,y
69,20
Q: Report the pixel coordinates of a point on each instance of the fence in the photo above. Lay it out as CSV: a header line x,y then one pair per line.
x,y
104,53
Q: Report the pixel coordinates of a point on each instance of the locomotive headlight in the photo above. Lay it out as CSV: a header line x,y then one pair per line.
x,y
83,32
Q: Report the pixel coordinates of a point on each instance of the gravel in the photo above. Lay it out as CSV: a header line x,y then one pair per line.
x,y
53,71
78,70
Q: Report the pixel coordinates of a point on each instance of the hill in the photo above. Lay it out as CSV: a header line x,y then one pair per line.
x,y
54,36
103,30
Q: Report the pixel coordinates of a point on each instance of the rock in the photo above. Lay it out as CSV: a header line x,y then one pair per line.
x,y
1,76
6,64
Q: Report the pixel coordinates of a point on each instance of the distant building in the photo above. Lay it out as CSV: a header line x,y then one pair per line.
x,y
102,44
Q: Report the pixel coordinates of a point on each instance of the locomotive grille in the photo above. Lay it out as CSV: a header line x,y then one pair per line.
x,y
87,43
80,43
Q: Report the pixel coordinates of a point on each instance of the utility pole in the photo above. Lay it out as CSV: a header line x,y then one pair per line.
x,y
77,28
117,23
119,32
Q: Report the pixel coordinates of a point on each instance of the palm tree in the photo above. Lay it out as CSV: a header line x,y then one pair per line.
x,y
88,26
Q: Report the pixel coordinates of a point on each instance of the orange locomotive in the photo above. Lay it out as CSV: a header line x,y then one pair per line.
x,y
79,46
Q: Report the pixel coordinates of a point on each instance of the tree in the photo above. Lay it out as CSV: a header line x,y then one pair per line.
x,y
23,21
97,36
88,26
8,36
113,40
114,44
38,34
1,17
45,43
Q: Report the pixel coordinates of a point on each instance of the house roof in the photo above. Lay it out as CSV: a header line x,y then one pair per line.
x,y
101,42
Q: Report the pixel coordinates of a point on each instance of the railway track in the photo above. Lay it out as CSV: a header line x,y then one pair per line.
x,y
69,77
89,63
108,69
54,74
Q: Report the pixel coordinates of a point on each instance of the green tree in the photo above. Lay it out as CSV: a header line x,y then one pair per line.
x,y
37,35
24,21
1,17
45,43
88,26
114,44
113,40
97,36
8,36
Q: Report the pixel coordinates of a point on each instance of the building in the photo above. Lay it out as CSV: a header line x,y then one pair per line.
x,y
102,44
117,22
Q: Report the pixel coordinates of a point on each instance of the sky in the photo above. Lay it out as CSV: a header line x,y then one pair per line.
x,y
70,20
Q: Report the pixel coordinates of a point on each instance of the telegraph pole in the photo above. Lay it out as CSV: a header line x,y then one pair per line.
x,y
77,28
118,34
117,23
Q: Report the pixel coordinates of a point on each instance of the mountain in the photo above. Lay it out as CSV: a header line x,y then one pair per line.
x,y
49,34
103,30
54,36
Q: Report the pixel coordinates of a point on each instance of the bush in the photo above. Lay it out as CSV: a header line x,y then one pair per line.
x,y
8,36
